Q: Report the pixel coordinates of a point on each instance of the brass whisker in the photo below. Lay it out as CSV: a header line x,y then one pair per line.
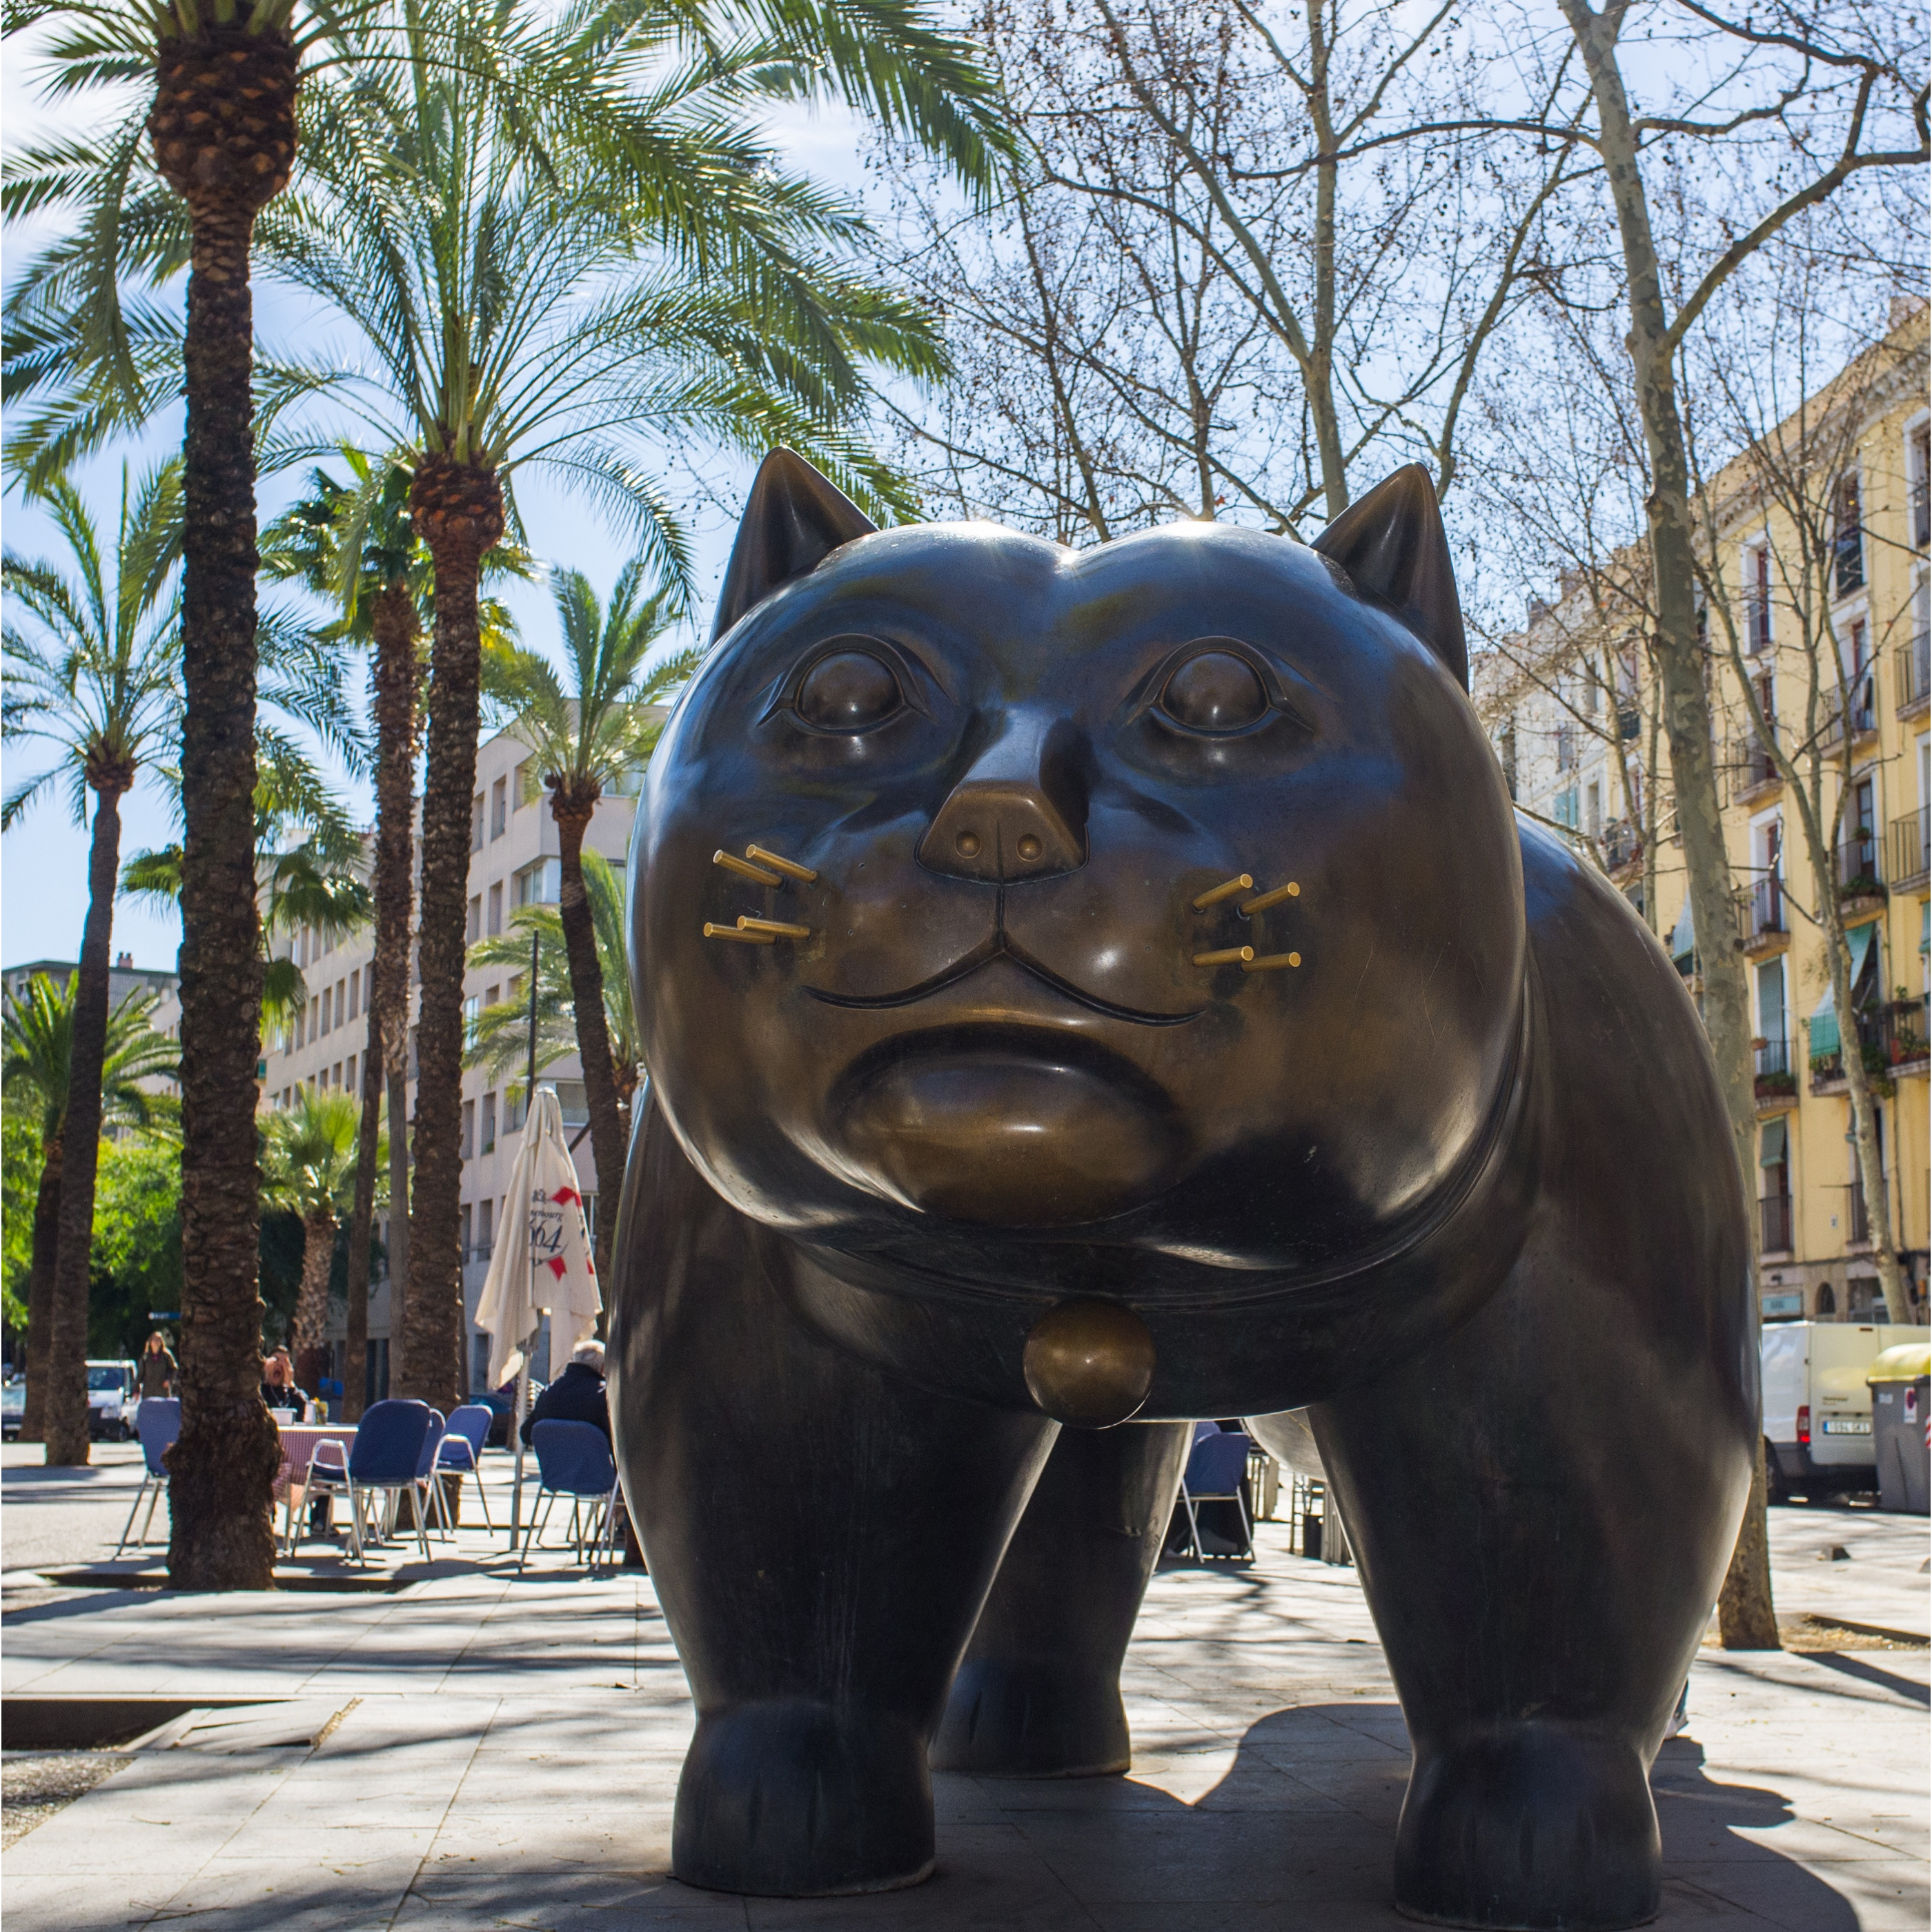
x,y
734,932
1290,891
745,870
791,869
1226,889
776,928
1228,956
1271,962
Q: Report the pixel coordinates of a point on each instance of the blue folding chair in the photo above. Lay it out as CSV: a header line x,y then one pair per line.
x,y
573,1459
429,1491
158,1420
394,1449
461,1451
1216,1470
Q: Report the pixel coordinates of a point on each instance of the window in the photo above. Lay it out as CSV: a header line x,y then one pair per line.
x,y
493,996
349,1073
1757,598
475,929
472,1016
369,985
1566,747
538,883
1564,809
468,1130
513,1110
570,1098
341,1009
476,824
301,1027
489,1123
496,909
522,786
500,808
484,1241
462,1229
315,1018
1919,469
479,1362
1848,537
335,1077
355,995
328,993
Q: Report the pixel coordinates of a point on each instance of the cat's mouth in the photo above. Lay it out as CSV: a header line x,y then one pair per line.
x,y
997,945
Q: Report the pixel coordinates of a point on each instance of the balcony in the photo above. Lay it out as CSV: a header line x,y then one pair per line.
x,y
1753,769
1892,1041
1860,874
1848,559
1764,921
1773,1078
1623,846
1863,697
1914,674
1909,848
1774,1224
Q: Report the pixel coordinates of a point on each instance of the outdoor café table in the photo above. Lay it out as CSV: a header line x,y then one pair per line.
x,y
298,1442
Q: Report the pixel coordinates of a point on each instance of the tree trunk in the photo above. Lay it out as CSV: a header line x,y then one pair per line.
x,y
458,512
1747,1619
573,815
397,1263
223,132
393,677
40,1293
311,1317
65,1416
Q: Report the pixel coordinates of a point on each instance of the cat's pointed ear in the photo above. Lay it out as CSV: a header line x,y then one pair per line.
x,y
1392,544
794,520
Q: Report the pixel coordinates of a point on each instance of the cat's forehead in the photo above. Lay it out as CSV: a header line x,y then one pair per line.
x,y
1031,610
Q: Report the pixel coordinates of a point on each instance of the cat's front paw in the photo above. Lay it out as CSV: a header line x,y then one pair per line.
x,y
1530,1826
793,1798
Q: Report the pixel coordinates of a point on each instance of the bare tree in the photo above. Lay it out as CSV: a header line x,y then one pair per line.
x,y
1224,272
1766,370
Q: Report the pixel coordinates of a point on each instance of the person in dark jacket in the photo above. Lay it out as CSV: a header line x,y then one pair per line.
x,y
576,1396
157,1367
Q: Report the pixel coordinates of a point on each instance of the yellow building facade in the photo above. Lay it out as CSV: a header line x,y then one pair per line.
x,y
1816,541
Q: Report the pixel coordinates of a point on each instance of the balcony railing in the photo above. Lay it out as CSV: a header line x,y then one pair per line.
x,y
1752,765
1849,559
1890,1035
1859,874
1863,697
1909,843
1764,911
1623,845
1772,1073
1913,664
1775,1223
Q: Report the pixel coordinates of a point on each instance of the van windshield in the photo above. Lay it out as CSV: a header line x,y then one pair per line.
x,y
104,1378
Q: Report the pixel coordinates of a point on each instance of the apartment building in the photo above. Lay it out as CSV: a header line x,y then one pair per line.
x,y
1568,744
514,862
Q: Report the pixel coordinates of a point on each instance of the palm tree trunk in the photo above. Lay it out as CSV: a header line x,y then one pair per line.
x,y
40,1293
393,676
223,133
573,817
319,1233
65,1416
457,508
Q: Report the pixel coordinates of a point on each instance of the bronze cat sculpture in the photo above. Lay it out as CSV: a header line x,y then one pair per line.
x,y
1083,990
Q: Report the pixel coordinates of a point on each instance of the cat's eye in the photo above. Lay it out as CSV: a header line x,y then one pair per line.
x,y
1215,691
848,690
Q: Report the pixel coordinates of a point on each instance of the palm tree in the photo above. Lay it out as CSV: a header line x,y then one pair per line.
x,y
353,543
514,309
36,1061
308,1169
586,731
94,674
500,1041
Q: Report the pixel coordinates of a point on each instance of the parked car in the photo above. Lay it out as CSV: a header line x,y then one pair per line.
x,y
12,1408
501,1403
1817,1408
113,1400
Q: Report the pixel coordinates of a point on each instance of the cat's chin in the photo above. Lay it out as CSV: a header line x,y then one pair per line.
x,y
1006,1137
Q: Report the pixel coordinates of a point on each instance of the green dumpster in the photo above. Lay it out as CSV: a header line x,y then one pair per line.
x,y
1899,1379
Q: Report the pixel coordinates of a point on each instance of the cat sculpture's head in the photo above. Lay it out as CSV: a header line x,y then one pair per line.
x,y
1065,920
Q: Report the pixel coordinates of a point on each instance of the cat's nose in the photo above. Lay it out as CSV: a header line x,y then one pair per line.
x,y
1020,811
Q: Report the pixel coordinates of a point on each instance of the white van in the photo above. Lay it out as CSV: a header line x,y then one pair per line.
x,y
1817,1408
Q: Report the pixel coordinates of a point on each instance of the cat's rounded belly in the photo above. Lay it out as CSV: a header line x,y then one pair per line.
x,y
1006,1134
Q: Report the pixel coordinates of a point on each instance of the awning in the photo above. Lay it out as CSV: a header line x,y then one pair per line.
x,y
1774,1144
1824,1037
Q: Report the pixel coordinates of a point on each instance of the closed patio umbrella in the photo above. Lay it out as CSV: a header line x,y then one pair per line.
x,y
549,1271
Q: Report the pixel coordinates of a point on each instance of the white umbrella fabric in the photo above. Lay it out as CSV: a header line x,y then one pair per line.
x,y
549,1270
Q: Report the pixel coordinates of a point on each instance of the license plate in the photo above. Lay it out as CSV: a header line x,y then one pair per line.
x,y
1847,1425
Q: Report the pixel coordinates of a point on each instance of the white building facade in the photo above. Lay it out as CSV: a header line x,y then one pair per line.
x,y
514,862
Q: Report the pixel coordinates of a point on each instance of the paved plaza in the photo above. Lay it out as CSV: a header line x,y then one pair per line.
x,y
471,1748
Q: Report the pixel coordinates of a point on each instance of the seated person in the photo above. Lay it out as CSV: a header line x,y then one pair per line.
x,y
576,1396
278,1386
